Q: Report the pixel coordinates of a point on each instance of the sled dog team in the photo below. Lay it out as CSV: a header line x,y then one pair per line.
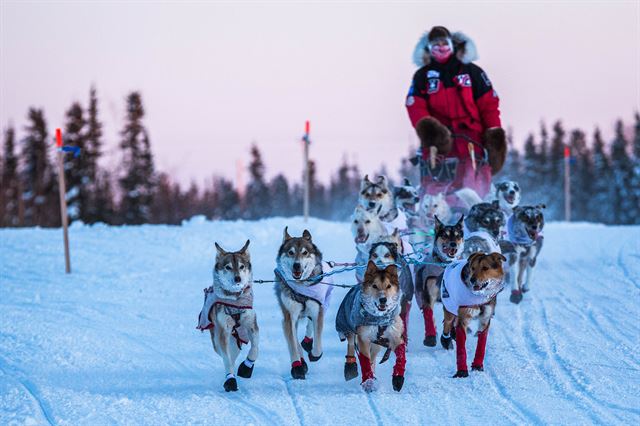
x,y
406,246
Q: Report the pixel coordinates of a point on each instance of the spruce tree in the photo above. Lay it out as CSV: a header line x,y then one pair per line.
x,y
635,179
532,190
138,182
227,200
9,196
622,167
257,193
601,204
581,176
280,196
76,167
555,168
92,153
38,178
341,194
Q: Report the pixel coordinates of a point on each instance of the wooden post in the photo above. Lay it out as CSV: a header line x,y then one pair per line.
x,y
63,201
567,184
306,141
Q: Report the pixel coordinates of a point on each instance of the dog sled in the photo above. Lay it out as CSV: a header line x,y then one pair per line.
x,y
447,175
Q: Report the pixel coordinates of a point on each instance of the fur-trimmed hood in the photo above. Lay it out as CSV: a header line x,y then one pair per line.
x,y
465,49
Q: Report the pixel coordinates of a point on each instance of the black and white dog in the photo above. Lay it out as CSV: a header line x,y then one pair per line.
x,y
507,193
302,293
228,312
406,198
522,246
483,229
447,247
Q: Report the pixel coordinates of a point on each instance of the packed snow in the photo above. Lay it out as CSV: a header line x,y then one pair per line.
x,y
116,342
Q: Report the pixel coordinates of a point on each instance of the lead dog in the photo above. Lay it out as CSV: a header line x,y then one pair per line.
x,y
302,294
522,245
469,290
228,312
369,316
447,247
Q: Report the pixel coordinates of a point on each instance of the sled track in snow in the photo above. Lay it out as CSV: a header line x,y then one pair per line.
x,y
294,401
374,409
562,379
30,388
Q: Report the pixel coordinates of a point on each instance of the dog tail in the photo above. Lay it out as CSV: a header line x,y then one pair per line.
x,y
468,196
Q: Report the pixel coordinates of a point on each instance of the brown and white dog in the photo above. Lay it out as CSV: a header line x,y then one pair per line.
x,y
469,289
369,315
228,312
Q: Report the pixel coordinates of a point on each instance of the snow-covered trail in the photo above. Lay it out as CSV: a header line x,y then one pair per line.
x,y
115,342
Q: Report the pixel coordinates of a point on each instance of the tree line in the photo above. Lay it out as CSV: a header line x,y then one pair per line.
x,y
605,178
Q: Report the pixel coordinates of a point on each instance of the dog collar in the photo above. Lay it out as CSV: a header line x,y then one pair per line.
x,y
390,216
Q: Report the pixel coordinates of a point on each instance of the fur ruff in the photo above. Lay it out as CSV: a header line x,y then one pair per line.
x,y
465,48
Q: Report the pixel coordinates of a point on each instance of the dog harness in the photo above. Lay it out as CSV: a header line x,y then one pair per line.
x,y
318,290
455,293
517,236
352,315
234,306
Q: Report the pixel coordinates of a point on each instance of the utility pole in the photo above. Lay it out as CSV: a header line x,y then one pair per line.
x,y
63,201
567,184
306,141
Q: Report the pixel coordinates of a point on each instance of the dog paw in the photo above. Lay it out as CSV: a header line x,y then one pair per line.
x,y
305,367
429,341
447,342
231,385
525,288
314,358
460,374
398,382
307,344
516,297
370,385
298,370
245,371
477,368
350,370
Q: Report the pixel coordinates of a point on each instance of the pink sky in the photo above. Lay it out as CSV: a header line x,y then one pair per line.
x,y
215,77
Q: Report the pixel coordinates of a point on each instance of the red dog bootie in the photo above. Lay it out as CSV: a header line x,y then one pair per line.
x,y
430,332
461,352
478,359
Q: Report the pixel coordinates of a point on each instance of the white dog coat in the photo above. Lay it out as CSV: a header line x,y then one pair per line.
x,y
455,292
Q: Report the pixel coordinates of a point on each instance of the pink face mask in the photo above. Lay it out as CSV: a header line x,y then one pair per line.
x,y
441,53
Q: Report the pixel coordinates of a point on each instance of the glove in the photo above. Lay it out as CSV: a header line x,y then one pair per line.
x,y
495,141
432,133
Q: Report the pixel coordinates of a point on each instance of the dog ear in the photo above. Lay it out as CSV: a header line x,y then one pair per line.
x,y
541,206
495,204
474,256
365,182
244,248
371,270
460,222
286,235
220,250
407,182
306,235
439,224
391,270
500,256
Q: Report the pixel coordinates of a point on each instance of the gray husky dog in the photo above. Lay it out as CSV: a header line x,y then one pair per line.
x,y
522,246
302,294
484,225
228,312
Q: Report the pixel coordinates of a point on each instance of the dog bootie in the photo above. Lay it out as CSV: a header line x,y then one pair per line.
x,y
245,369
307,344
461,351
305,367
447,341
430,332
298,371
478,359
231,385
398,382
525,288
516,296
370,385
350,368
461,374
